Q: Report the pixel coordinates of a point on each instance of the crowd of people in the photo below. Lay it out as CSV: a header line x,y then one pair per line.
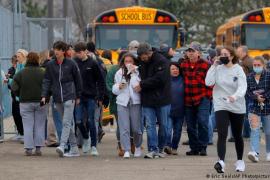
x,y
58,96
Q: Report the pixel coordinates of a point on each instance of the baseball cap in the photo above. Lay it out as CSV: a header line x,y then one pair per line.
x,y
195,46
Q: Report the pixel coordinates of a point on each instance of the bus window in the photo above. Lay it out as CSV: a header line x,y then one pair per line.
x,y
114,37
258,36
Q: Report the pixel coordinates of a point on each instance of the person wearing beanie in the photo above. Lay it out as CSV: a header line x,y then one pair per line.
x,y
167,51
133,46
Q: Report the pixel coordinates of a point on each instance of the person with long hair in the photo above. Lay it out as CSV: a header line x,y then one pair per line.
x,y
230,85
21,55
259,107
128,104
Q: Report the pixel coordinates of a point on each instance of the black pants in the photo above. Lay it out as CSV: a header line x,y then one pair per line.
x,y
17,116
223,119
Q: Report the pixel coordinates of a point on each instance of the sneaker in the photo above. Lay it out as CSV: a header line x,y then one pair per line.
x,y
174,152
28,152
126,155
150,155
240,166
138,152
60,150
253,156
74,152
160,155
268,157
18,137
192,153
167,150
94,151
220,166
86,146
203,152
38,152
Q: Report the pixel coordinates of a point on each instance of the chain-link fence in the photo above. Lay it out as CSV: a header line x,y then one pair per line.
x,y
33,34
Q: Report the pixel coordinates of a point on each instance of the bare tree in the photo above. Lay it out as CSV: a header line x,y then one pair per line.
x,y
80,13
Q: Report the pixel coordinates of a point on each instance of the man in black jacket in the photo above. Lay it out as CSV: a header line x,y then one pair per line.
x,y
93,89
155,97
63,78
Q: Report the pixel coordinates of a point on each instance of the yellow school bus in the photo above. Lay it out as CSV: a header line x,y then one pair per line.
x,y
251,29
114,29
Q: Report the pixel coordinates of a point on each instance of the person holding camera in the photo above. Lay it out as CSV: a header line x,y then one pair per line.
x,y
128,104
230,85
27,85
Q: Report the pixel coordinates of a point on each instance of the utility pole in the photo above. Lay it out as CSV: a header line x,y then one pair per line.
x,y
65,15
65,8
50,23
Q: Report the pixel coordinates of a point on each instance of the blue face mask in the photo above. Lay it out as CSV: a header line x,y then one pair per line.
x,y
258,70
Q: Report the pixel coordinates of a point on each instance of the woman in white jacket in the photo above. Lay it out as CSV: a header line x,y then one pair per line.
x,y
230,85
128,104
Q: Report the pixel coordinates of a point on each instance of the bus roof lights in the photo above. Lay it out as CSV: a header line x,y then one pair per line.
x,y
258,18
111,19
160,19
252,18
105,19
167,19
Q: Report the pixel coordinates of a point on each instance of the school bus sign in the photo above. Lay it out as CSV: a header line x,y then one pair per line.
x,y
136,16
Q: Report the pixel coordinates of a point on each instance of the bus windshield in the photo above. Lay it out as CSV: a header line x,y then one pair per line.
x,y
257,36
114,37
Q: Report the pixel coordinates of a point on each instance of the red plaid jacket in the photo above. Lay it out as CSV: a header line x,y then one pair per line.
x,y
194,78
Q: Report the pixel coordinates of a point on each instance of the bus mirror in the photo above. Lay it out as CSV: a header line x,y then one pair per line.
x,y
237,30
181,33
235,44
88,33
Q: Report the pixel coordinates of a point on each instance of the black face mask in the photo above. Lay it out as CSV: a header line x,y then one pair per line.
x,y
224,60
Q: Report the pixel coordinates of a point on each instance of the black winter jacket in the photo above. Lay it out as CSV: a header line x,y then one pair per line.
x,y
92,79
63,80
155,81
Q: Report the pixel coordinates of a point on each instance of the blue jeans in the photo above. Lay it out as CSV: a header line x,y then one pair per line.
x,y
88,106
152,115
57,120
197,118
174,131
255,133
246,129
211,125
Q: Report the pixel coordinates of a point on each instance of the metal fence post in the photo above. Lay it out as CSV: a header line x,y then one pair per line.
x,y
1,111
